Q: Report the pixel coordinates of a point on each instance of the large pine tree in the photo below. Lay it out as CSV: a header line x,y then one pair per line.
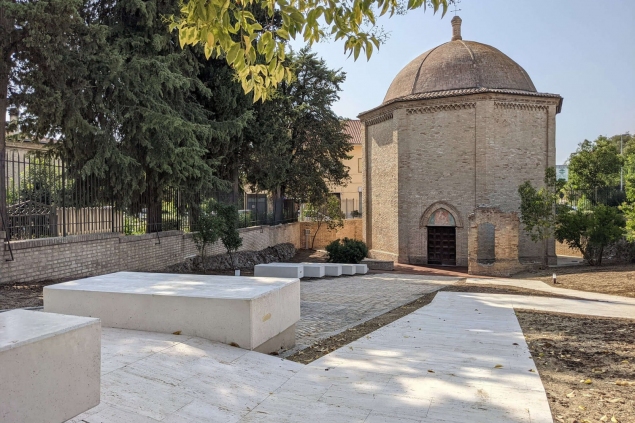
x,y
297,145
150,125
40,66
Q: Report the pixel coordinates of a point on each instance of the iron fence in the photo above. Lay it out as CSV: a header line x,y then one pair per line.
x,y
44,200
588,198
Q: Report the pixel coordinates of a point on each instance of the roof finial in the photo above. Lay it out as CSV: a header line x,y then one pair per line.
x,y
456,28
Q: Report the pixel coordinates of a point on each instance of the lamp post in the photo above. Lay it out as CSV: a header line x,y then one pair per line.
x,y
622,155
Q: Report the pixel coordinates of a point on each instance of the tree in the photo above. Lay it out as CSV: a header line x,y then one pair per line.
x,y
41,70
329,212
150,124
230,237
209,229
590,231
297,142
538,208
256,48
595,164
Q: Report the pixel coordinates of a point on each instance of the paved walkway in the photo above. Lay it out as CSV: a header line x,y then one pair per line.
x,y
597,304
438,364
330,306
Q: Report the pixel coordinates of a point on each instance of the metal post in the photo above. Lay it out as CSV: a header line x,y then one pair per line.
x,y
622,167
63,198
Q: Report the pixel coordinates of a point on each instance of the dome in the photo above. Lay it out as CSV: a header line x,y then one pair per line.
x,y
459,65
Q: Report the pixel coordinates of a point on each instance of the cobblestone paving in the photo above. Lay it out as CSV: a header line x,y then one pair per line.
x,y
329,306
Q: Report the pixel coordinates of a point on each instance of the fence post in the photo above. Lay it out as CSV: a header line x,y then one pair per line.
x,y
63,198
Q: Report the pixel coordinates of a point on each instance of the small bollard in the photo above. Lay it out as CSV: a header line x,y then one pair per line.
x,y
236,272
554,279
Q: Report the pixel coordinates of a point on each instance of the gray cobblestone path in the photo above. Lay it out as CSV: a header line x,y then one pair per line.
x,y
329,306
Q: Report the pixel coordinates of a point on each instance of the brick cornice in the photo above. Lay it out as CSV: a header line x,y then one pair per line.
x,y
440,108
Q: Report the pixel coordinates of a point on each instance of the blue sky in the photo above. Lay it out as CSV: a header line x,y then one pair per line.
x,y
576,48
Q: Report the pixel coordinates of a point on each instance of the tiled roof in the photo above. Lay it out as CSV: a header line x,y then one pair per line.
x,y
354,129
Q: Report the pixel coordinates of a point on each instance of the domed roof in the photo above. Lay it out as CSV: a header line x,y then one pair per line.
x,y
459,65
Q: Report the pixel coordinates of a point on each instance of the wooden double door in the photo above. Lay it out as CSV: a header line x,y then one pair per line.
x,y
442,245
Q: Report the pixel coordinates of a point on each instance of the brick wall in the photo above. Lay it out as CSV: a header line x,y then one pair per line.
x,y
352,229
464,152
564,250
382,235
95,254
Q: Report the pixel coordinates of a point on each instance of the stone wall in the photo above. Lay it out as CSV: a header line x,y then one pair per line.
x,y
436,166
563,249
502,258
95,254
381,191
352,229
461,151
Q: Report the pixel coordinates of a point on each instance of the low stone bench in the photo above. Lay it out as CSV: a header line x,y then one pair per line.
x,y
379,264
279,270
255,313
361,269
49,366
329,268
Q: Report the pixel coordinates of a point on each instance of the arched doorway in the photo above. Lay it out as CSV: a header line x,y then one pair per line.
x,y
442,238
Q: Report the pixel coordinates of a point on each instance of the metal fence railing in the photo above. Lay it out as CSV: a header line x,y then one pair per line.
x,y
44,200
588,198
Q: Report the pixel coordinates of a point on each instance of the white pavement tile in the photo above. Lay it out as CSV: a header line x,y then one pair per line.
x,y
382,377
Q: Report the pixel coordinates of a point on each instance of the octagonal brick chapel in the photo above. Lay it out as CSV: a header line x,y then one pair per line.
x,y
460,128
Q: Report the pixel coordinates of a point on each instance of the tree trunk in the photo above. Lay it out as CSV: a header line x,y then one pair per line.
x,y
154,213
319,223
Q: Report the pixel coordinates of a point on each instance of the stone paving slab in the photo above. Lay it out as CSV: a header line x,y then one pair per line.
x,y
383,377
329,306
438,364
541,286
560,305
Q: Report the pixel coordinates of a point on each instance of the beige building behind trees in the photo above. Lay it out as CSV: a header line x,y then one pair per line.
x,y
460,128
351,194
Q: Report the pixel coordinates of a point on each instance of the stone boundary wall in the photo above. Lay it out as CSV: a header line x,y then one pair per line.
x,y
564,250
352,229
81,256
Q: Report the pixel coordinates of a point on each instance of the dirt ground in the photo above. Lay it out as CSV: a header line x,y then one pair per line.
x,y
21,295
612,279
587,365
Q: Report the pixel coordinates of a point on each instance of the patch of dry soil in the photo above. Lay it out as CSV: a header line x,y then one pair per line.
x,y
586,364
614,280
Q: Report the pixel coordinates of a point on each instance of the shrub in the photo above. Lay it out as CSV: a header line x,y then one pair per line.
x,y
347,251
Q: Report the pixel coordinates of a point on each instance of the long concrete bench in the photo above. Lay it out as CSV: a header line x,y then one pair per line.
x,y
282,270
254,313
279,270
330,269
49,366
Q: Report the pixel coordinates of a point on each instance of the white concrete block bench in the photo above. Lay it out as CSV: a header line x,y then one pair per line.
x,y
353,269
330,269
49,366
252,312
279,270
308,270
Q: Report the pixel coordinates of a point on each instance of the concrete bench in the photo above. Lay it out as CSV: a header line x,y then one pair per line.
x,y
330,269
361,269
279,270
252,312
49,366
353,269
379,264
